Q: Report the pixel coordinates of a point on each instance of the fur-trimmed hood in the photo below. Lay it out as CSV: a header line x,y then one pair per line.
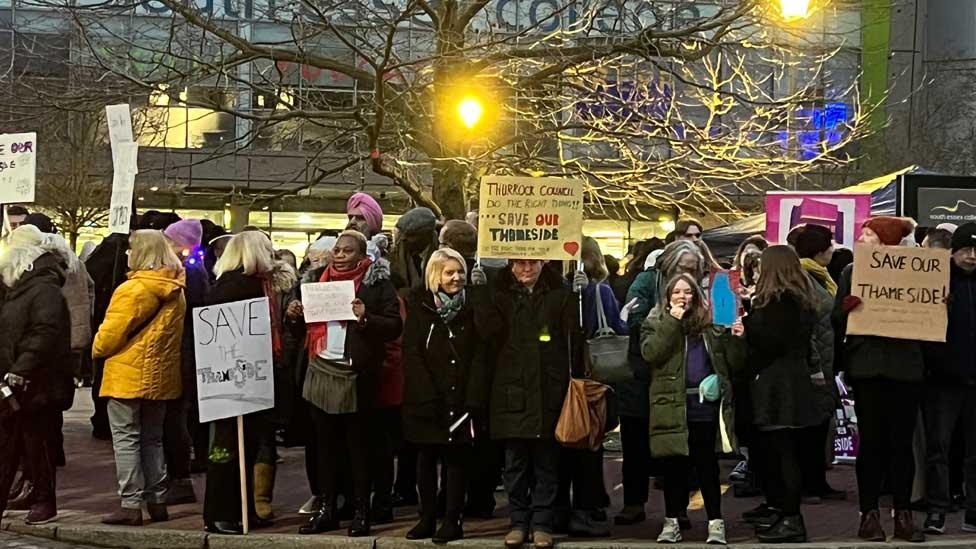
x,y
378,271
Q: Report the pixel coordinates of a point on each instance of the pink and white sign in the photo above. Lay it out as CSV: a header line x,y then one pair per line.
x,y
842,213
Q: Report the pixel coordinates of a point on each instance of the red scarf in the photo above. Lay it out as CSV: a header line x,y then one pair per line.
x,y
315,339
274,304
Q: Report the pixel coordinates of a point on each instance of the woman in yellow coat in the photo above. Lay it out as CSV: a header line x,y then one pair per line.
x,y
140,342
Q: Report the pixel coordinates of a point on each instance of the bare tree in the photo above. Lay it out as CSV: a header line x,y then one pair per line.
x,y
660,102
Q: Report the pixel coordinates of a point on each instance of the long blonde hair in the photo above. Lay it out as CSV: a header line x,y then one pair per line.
x,y
251,251
149,250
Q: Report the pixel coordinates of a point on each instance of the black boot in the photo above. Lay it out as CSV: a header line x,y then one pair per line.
x,y
322,521
382,512
788,530
360,519
424,529
451,529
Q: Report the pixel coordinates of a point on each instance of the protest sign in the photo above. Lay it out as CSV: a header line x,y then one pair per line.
x,y
328,301
842,213
530,218
125,154
903,292
235,372
18,164
723,297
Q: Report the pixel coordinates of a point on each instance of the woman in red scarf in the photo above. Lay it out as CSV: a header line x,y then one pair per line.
x,y
341,384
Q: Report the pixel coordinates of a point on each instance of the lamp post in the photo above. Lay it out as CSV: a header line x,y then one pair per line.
x,y
794,9
791,11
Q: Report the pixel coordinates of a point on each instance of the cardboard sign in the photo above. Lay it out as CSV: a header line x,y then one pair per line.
x,y
235,368
903,290
328,301
842,213
18,167
530,218
723,297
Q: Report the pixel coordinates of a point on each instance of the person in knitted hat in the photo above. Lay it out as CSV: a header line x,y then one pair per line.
x,y
365,215
888,377
187,233
885,230
950,391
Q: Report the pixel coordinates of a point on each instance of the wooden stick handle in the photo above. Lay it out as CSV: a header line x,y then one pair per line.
x,y
243,467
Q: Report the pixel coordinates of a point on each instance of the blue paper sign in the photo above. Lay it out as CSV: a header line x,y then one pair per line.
x,y
724,297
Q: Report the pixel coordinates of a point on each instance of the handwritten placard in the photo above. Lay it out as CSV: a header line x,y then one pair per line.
x,y
125,154
530,218
328,301
903,292
119,121
724,301
235,369
18,167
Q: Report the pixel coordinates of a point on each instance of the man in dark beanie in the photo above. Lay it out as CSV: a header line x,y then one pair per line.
x,y
950,395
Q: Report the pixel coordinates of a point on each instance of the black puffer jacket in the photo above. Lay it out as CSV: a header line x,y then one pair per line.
x,y
36,336
954,362
445,375
535,337
779,342
869,357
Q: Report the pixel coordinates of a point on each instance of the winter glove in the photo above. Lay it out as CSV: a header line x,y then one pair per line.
x,y
580,281
851,303
478,277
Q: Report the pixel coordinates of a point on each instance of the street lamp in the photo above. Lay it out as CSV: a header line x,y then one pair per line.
x,y
794,9
470,110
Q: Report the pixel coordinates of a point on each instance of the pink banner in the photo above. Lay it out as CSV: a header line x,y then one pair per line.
x,y
842,213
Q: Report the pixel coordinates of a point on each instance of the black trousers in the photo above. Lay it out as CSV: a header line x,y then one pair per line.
x,y
484,471
886,415
99,419
338,435
222,502
813,459
454,462
406,472
581,472
636,459
532,482
701,456
26,436
385,435
784,475
948,408
176,440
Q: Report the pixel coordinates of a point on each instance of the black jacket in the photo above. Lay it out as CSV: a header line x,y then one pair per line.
x,y
870,357
536,338
107,266
36,336
197,294
445,375
954,362
365,341
779,344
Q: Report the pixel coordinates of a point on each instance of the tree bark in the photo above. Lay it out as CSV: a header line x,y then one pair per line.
x,y
449,182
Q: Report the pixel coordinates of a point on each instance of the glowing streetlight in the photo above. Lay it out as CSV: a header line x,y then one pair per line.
x,y
470,111
794,9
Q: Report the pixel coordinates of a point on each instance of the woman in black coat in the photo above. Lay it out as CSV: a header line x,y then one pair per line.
x,y
35,347
345,358
784,401
445,389
245,271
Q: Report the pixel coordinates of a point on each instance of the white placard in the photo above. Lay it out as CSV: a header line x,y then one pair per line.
x,y
18,165
235,368
328,301
119,126
123,187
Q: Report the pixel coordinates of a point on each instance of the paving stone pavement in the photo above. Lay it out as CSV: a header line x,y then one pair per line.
x,y
16,541
87,491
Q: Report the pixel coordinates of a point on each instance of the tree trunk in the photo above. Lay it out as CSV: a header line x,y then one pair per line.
x,y
73,240
450,179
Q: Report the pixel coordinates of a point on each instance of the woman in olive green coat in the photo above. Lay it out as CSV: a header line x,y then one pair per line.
x,y
692,417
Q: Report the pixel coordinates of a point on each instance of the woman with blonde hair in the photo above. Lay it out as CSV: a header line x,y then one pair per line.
x,y
445,383
246,270
140,342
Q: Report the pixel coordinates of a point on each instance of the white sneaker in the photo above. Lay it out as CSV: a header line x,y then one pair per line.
x,y
716,532
671,532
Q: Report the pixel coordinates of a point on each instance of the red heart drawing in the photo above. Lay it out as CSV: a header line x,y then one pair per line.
x,y
571,248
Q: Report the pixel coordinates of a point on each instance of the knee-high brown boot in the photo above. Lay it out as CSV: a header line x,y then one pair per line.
x,y
264,481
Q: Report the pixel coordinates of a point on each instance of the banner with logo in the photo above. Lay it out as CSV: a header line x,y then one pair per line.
x,y
530,218
842,213
235,369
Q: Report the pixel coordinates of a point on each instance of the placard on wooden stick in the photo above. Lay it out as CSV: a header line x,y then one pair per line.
x,y
903,292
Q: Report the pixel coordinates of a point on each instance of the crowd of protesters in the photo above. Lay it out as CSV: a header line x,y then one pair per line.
x,y
464,364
